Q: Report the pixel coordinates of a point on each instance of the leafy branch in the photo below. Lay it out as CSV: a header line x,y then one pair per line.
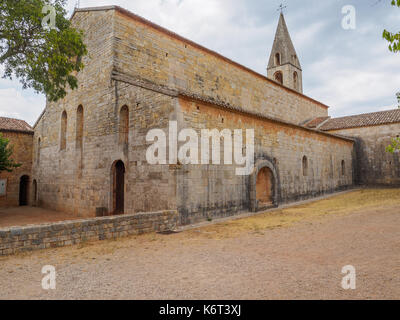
x,y
393,38
6,151
45,59
394,146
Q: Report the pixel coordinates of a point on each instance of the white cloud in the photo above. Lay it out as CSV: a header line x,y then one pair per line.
x,y
351,71
349,85
26,106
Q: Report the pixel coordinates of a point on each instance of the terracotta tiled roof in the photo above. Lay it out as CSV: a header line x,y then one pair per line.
x,y
9,124
362,120
315,122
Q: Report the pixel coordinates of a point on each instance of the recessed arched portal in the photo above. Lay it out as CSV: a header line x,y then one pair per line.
x,y
264,187
23,190
118,187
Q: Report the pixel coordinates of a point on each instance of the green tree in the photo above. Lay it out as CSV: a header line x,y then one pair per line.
x,y
398,98
394,46
6,151
395,146
393,38
43,53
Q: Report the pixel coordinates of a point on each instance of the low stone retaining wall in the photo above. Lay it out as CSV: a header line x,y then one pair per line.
x,y
21,239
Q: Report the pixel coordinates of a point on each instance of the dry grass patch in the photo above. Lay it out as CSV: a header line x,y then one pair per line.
x,y
338,205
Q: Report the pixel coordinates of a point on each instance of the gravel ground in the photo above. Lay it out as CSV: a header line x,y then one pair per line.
x,y
303,261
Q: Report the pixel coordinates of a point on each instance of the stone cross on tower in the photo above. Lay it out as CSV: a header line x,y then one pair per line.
x,y
281,7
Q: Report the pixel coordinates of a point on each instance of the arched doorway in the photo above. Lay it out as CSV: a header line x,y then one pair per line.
x,y
34,193
264,186
264,190
119,188
23,190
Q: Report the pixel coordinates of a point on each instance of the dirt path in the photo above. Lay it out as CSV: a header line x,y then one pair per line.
x,y
22,216
301,261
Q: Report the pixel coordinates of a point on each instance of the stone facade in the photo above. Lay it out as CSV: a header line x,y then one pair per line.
x,y
138,70
215,191
373,165
147,52
23,146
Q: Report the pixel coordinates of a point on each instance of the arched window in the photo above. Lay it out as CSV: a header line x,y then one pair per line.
x,y
35,192
63,140
118,187
305,166
296,80
124,125
79,127
278,76
277,59
38,152
343,167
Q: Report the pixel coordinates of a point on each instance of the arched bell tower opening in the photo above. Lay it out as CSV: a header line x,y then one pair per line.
x,y
278,77
277,59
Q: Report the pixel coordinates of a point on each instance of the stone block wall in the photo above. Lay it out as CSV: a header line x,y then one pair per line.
x,y
374,166
146,51
54,235
67,179
215,191
80,181
23,146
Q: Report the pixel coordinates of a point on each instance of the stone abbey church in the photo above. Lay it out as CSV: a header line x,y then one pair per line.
x,y
87,153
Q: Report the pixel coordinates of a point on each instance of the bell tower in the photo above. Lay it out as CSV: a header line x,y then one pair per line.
x,y
284,65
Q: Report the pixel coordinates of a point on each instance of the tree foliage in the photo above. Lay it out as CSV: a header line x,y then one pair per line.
x,y
394,146
398,98
45,59
393,38
394,46
6,151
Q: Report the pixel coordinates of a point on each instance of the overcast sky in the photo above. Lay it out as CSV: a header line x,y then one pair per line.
x,y
352,71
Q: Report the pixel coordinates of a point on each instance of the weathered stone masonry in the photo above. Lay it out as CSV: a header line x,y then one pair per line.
x,y
60,234
158,77
217,191
22,146
374,166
